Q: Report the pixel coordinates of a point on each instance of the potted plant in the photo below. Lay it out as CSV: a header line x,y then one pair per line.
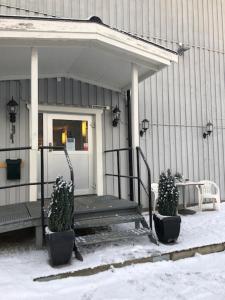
x,y
59,233
167,222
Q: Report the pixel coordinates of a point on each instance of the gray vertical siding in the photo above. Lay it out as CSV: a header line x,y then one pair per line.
x,y
178,101
53,92
7,90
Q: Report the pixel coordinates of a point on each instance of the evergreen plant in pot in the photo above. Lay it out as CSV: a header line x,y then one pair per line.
x,y
167,222
59,233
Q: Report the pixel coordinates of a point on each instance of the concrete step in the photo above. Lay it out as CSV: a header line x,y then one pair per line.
x,y
107,220
111,236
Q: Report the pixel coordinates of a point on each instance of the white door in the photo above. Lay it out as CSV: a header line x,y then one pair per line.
x,y
76,133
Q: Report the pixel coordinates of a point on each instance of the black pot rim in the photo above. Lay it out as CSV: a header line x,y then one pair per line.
x,y
165,217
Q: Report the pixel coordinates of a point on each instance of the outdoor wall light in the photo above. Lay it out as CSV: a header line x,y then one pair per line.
x,y
12,108
144,126
208,130
181,49
116,116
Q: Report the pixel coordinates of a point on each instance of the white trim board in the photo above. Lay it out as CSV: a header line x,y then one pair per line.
x,y
69,109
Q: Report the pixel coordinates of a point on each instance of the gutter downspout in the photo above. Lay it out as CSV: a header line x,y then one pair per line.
x,y
129,131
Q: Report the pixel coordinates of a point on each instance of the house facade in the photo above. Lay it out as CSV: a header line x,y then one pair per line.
x,y
178,101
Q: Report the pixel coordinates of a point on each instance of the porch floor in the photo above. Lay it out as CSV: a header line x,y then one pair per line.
x,y
28,214
93,203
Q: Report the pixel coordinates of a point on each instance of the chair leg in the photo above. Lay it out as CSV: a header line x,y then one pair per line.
x,y
200,202
217,203
199,198
214,203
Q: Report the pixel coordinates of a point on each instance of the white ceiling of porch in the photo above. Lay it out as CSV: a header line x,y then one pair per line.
x,y
84,63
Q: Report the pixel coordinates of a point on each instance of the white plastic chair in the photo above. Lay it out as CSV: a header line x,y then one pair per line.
x,y
155,191
209,190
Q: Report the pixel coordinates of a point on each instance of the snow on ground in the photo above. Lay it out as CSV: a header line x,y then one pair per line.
x,y
20,263
200,277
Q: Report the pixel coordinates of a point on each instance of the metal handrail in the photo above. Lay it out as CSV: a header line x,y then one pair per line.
x,y
42,182
144,159
24,184
66,154
123,176
28,148
138,177
15,149
119,149
69,165
140,153
129,177
118,166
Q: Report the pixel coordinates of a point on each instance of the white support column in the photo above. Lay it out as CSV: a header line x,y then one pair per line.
x,y
135,108
99,155
134,120
34,123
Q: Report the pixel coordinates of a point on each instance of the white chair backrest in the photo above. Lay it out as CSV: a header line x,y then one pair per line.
x,y
155,188
209,187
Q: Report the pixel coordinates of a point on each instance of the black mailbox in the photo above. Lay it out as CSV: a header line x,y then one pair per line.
x,y
13,169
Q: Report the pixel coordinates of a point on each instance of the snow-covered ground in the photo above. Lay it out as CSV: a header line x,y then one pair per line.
x,y
185,279
200,277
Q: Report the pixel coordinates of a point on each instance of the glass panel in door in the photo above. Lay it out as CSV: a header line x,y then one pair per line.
x,y
72,133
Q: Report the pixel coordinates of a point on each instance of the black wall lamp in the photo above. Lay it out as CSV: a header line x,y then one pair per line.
x,y
144,126
116,116
12,108
208,130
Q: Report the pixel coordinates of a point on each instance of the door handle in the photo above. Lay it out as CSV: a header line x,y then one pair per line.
x,y
50,145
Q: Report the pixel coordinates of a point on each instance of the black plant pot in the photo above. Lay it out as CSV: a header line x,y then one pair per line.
x,y
167,228
60,247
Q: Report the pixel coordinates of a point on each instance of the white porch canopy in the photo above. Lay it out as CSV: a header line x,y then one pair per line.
x,y
85,50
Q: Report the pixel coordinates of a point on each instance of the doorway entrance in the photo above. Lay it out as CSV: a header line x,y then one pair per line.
x,y
75,132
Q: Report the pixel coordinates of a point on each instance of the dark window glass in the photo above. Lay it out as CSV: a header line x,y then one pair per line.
x,y
73,134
